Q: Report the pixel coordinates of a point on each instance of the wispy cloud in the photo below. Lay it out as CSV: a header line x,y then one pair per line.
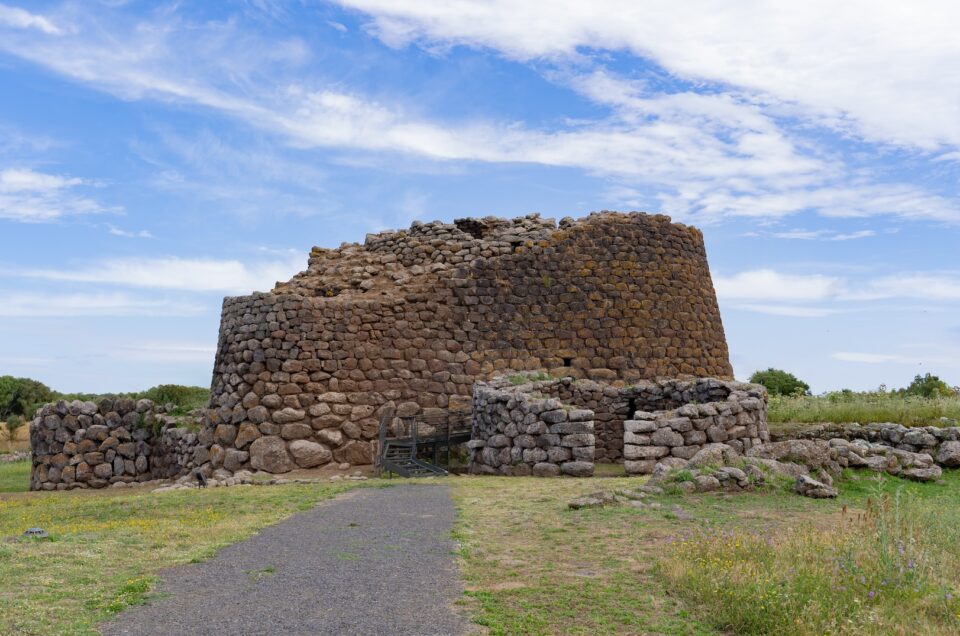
x,y
867,358
768,284
175,273
776,293
115,231
822,235
17,18
30,196
165,352
792,311
54,305
875,69
923,356
701,156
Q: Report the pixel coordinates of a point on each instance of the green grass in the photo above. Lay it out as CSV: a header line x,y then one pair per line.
x,y
15,476
106,549
532,566
751,563
529,376
845,407
891,568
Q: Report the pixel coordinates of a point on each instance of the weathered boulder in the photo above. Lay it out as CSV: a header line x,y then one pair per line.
x,y
270,454
308,454
713,455
234,459
929,473
331,436
706,483
546,469
246,434
288,415
577,469
810,487
296,430
355,453
949,454
812,453
593,500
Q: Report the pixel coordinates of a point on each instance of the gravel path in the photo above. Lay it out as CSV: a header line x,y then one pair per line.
x,y
374,561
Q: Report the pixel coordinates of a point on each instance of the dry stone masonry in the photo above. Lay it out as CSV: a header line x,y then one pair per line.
x,y
93,445
712,412
415,317
517,432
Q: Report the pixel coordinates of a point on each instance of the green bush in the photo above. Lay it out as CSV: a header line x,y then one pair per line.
x,y
186,397
841,407
22,396
928,386
14,422
779,382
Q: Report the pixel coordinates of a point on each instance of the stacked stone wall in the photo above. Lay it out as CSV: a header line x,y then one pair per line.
x,y
738,420
93,445
942,443
515,432
415,317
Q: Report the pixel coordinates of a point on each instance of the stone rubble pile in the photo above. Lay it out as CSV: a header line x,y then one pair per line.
x,y
942,444
811,463
17,456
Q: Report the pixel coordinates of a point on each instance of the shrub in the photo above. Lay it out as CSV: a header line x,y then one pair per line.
x,y
22,396
779,382
14,422
888,571
186,397
928,386
842,407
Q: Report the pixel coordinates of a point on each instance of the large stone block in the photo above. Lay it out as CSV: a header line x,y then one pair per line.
x,y
270,454
309,454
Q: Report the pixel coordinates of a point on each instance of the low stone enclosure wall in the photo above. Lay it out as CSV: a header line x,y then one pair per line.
x,y
941,443
717,412
518,431
92,445
543,426
521,425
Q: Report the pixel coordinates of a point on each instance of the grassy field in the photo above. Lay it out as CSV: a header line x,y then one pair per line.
x,y
759,563
841,408
881,559
106,548
15,476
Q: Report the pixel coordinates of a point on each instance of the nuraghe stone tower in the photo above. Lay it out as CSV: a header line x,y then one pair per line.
x,y
415,317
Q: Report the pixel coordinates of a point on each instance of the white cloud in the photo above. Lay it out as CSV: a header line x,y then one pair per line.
x,y
767,284
54,305
939,286
166,352
786,310
775,293
183,274
30,196
20,19
822,235
867,358
115,231
883,70
700,156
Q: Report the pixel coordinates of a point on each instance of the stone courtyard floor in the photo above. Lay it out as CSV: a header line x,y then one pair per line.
x,y
372,561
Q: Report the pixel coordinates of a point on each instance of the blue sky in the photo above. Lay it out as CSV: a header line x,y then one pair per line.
x,y
156,156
